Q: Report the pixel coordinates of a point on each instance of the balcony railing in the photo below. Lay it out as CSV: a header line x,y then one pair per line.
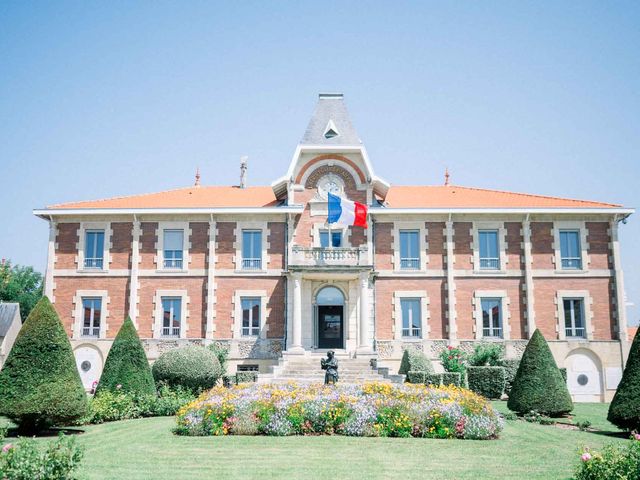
x,y
172,263
492,332
90,331
487,263
572,263
171,331
411,332
93,263
252,264
575,332
409,263
329,257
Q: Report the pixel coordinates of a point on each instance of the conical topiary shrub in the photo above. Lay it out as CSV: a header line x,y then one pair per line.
x,y
538,385
127,365
40,385
624,410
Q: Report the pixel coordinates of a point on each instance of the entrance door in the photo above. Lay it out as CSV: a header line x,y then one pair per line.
x,y
330,331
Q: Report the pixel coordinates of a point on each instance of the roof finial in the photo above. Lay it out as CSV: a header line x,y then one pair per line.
x,y
197,184
446,176
243,171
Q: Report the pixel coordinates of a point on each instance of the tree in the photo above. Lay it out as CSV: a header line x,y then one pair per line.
x,y
21,285
40,385
127,364
538,384
624,411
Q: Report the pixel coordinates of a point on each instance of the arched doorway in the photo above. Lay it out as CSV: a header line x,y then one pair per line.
x,y
330,318
584,377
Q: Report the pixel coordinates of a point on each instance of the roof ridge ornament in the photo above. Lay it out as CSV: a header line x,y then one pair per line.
x,y
197,182
446,176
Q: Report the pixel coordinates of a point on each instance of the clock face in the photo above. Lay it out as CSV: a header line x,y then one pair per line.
x,y
329,184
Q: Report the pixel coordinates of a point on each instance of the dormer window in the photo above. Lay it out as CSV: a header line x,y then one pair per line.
x,y
331,131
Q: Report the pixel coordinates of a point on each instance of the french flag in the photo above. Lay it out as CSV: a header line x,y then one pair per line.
x,y
345,212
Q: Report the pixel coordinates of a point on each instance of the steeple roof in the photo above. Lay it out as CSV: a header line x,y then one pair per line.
x,y
330,123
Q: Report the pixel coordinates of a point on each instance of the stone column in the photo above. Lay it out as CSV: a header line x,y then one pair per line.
x,y
51,260
296,330
528,271
211,264
133,279
621,308
365,343
451,285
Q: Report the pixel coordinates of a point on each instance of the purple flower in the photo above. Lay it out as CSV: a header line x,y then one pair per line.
x,y
7,447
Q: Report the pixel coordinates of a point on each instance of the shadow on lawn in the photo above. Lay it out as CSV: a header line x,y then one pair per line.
x,y
14,432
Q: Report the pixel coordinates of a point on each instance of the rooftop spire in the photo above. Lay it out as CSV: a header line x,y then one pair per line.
x,y
446,176
330,123
197,183
243,171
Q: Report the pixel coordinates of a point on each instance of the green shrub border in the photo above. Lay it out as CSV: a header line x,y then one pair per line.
x,y
487,381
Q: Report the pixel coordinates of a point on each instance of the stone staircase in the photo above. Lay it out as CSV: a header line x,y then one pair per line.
x,y
306,369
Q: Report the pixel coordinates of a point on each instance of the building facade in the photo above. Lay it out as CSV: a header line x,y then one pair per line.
x,y
258,270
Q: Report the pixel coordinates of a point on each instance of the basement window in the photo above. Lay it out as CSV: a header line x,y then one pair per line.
x,y
247,368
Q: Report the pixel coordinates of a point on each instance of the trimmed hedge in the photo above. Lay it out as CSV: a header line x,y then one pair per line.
x,y
563,372
193,367
413,360
40,385
246,377
624,411
510,366
127,365
487,381
538,384
426,378
452,378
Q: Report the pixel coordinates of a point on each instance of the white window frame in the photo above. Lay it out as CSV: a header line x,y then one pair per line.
x,y
411,328
81,247
587,301
78,313
259,299
159,312
502,246
424,314
238,258
186,246
423,245
580,226
237,312
171,335
319,227
505,302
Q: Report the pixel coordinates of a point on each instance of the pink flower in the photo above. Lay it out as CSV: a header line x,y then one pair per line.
x,y
7,447
118,386
586,456
450,347
636,436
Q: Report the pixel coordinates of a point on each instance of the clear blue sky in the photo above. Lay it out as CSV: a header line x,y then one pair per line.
x,y
99,99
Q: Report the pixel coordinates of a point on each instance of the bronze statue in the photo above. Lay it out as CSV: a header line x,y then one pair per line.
x,y
330,364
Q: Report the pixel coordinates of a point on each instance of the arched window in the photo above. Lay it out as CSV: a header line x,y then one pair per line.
x,y
330,296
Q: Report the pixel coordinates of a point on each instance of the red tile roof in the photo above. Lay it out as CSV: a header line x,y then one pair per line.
x,y
451,196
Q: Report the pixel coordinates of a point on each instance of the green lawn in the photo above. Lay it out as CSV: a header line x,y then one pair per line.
x,y
146,449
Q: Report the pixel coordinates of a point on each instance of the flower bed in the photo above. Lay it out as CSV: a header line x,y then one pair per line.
x,y
372,409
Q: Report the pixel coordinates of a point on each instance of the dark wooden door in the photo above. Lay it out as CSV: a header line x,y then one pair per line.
x,y
330,326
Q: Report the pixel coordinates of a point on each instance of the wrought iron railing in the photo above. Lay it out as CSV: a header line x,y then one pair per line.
x,y
93,262
488,263
90,331
252,264
170,331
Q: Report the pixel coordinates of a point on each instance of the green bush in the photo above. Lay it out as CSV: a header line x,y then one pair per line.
x,y
111,406
538,384
127,368
451,378
434,379
415,377
167,403
624,411
246,377
487,355
27,461
454,360
39,384
620,462
414,360
193,367
222,353
510,366
486,381
563,372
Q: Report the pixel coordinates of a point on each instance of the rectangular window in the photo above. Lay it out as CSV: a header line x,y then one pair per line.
x,y
336,239
171,316
409,249
250,317
570,251
411,323
173,243
491,317
489,256
252,249
574,317
92,310
94,249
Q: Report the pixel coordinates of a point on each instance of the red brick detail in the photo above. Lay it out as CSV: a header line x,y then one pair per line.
x,y
67,245
147,245
437,245
277,246
330,156
598,240
199,245
462,240
515,252
383,246
225,292
121,241
225,245
542,245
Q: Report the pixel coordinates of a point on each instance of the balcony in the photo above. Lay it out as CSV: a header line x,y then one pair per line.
x,y
329,257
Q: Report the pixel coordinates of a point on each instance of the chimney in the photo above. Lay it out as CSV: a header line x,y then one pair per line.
x,y
243,171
